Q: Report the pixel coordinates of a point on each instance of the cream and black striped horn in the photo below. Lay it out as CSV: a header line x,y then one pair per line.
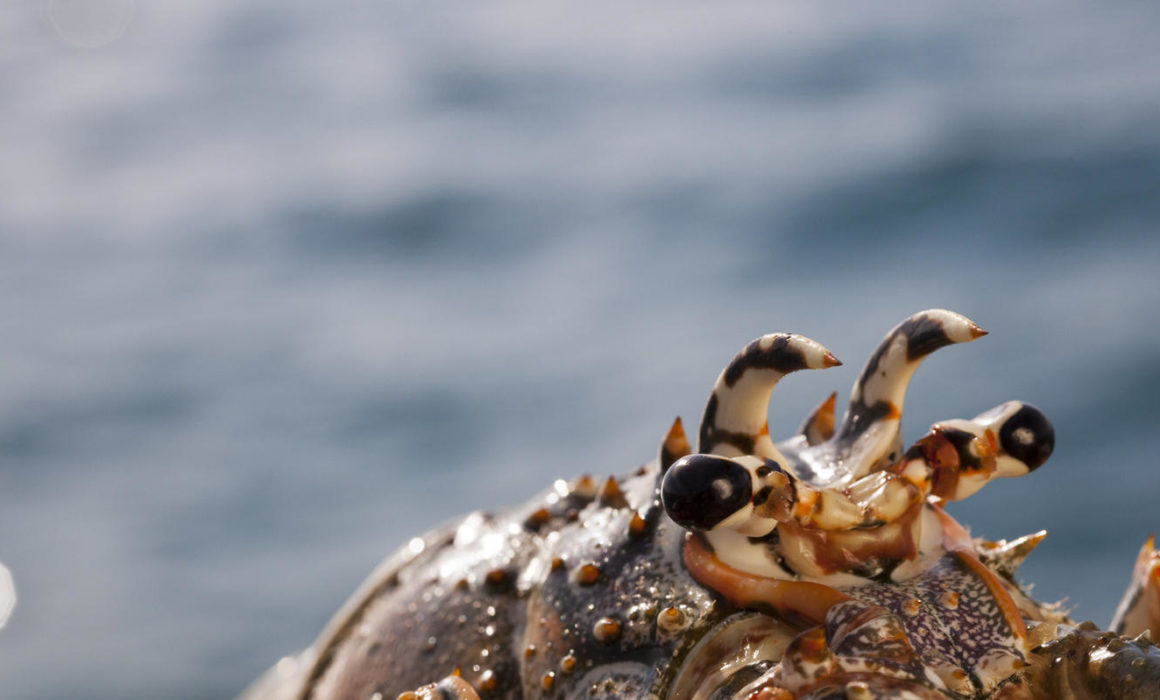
x,y
736,417
868,437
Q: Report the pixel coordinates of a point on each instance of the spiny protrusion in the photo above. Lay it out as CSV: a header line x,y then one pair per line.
x,y
819,427
498,578
637,526
487,681
674,446
583,488
537,519
1042,633
735,419
1005,556
610,494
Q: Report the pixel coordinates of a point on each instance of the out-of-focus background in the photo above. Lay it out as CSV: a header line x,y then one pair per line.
x,y
285,283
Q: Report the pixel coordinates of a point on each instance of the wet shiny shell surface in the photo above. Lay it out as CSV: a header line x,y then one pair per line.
x,y
527,603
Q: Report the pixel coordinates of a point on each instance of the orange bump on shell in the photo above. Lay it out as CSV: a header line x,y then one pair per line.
x,y
587,574
538,519
676,442
584,488
568,663
611,495
636,525
606,630
671,620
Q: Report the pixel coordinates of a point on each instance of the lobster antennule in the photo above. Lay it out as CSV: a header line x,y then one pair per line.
x,y
869,431
735,421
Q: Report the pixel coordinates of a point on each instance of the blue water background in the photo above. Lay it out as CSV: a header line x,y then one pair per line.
x,y
283,284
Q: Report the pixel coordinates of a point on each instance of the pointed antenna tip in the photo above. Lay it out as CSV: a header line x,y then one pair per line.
x,y
976,331
828,404
828,360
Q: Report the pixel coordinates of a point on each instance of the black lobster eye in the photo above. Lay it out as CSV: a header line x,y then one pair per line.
x,y
700,491
1028,436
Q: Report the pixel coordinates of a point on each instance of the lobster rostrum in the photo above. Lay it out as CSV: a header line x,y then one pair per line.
x,y
821,566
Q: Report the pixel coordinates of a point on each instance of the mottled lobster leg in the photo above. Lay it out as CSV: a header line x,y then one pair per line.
x,y
1139,609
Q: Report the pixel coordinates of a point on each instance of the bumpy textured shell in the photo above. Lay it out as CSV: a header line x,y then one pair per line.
x,y
571,595
580,593
822,566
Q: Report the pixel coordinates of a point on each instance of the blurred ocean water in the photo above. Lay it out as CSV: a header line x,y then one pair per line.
x,y
285,283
